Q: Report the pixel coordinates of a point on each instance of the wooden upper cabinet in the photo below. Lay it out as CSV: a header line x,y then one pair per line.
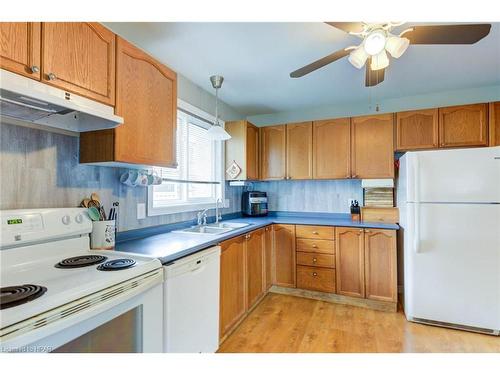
x,y
233,297
380,265
284,255
331,149
494,124
79,57
416,130
146,98
273,152
255,266
243,148
349,263
252,152
372,146
20,48
299,150
464,125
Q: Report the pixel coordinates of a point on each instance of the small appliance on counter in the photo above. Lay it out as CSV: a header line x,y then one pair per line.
x,y
254,203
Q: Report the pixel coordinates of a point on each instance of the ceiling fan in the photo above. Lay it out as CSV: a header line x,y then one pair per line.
x,y
379,38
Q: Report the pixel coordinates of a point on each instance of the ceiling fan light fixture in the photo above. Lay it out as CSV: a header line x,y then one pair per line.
x,y
375,42
358,57
396,46
380,61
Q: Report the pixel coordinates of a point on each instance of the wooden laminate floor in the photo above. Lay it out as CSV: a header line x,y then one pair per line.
x,y
282,323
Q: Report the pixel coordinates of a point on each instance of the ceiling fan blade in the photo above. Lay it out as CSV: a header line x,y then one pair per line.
x,y
319,63
354,27
448,34
373,77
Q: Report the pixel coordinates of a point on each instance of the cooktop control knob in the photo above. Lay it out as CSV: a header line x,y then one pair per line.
x,y
79,218
66,219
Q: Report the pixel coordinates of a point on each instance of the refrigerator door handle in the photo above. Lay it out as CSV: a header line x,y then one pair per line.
x,y
416,211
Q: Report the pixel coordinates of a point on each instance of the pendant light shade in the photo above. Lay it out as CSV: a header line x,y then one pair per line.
x,y
216,132
396,46
358,57
379,61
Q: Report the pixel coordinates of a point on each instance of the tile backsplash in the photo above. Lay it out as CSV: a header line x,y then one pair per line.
x,y
311,195
40,169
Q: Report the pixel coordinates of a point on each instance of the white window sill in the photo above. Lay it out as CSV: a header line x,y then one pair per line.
x,y
191,207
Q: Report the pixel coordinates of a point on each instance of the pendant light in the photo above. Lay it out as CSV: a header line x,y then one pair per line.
x,y
216,132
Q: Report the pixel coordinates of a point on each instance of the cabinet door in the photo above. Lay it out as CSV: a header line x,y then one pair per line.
x,y
20,48
79,57
349,263
416,130
273,152
147,101
268,251
255,266
380,265
464,125
252,152
299,151
232,283
494,124
372,146
332,149
284,254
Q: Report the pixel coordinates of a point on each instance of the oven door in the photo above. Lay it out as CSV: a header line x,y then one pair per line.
x,y
125,318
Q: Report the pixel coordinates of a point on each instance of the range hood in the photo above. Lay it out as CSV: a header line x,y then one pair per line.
x,y
28,100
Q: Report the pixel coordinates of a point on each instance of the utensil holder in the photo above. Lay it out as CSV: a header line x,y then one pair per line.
x,y
103,235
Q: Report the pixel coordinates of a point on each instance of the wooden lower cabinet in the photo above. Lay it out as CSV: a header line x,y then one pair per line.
x,y
380,265
316,278
350,262
233,284
255,266
268,256
284,254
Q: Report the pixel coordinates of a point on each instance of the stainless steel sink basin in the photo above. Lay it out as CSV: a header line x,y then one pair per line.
x,y
212,229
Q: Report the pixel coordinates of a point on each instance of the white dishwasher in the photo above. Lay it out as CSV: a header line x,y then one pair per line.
x,y
191,313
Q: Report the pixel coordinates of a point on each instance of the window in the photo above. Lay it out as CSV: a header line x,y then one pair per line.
x,y
199,160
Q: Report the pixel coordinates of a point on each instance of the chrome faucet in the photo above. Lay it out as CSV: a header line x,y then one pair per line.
x,y
218,216
202,217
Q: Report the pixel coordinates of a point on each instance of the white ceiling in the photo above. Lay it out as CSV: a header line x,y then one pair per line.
x,y
256,59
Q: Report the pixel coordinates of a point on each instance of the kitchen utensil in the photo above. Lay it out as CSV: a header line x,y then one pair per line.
x,y
95,197
85,203
94,213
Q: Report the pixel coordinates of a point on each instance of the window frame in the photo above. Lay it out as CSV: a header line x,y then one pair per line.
x,y
220,167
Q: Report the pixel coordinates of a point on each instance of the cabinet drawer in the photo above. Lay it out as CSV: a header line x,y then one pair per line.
x,y
314,232
315,246
316,278
317,260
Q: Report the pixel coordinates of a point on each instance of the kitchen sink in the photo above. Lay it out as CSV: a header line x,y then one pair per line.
x,y
212,229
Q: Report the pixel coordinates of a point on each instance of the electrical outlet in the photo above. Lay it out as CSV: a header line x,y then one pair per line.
x,y
141,211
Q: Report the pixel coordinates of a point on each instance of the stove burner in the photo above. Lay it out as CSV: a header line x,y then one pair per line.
x,y
11,296
81,261
116,265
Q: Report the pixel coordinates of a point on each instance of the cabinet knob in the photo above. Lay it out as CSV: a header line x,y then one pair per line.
x,y
315,246
354,176
314,260
315,274
315,232
367,231
34,69
51,77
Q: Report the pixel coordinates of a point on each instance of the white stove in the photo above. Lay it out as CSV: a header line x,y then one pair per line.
x,y
73,309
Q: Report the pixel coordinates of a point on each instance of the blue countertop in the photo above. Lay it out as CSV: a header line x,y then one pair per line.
x,y
160,242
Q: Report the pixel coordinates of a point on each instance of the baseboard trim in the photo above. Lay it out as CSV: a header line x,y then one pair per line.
x,y
336,298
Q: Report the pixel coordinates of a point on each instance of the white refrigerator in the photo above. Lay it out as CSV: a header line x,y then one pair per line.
x,y
449,202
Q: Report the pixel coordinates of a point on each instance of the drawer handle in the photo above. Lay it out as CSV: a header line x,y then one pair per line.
x,y
315,274
314,260
315,232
